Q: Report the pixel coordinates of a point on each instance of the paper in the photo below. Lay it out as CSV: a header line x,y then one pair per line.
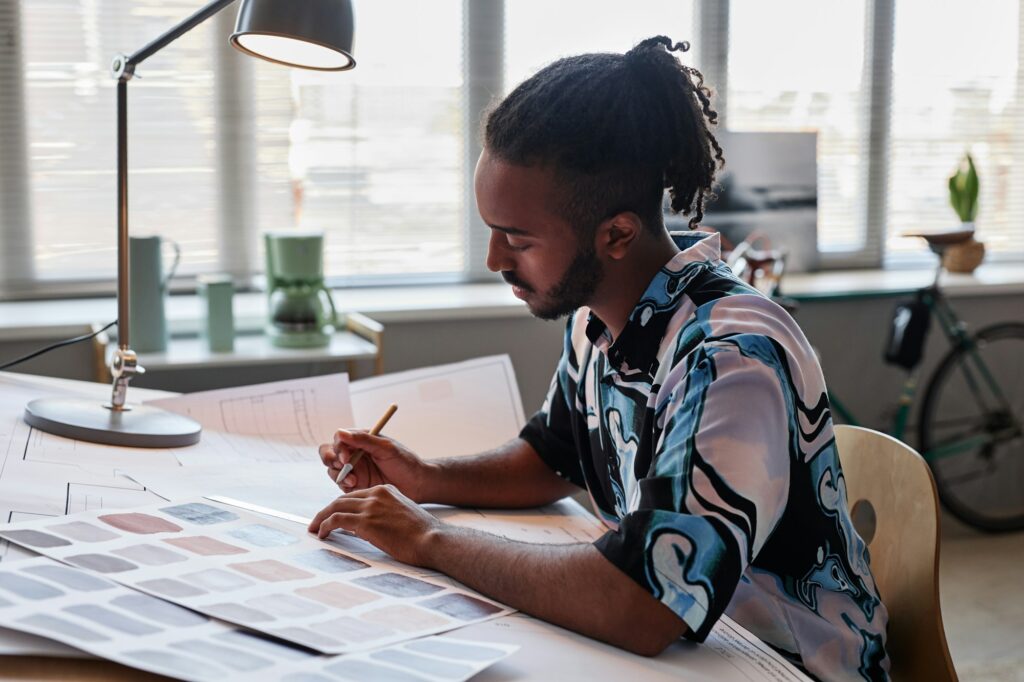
x,y
246,569
297,488
283,421
553,653
457,409
49,599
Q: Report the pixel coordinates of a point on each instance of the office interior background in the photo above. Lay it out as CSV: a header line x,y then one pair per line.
x,y
380,159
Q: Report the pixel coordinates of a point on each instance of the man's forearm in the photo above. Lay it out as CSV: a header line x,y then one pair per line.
x,y
570,585
510,476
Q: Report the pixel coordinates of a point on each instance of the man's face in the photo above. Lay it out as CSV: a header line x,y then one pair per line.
x,y
534,248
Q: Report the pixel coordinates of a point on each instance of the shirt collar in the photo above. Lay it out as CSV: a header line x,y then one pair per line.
x,y
633,350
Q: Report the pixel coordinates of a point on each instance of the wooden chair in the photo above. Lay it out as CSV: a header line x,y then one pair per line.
x,y
895,509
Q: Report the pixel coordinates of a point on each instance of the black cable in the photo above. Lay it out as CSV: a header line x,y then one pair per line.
x,y
59,344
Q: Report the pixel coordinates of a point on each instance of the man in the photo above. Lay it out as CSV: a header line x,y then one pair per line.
x,y
690,407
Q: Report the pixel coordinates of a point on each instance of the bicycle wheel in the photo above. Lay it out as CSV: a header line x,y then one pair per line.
x,y
972,438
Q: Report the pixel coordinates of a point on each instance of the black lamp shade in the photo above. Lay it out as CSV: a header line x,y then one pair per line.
x,y
309,34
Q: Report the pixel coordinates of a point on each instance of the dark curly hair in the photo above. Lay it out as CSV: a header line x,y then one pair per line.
x,y
617,130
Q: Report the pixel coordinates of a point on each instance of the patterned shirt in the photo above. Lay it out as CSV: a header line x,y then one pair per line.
x,y
704,438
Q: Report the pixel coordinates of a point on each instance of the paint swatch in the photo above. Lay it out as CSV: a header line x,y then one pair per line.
x,y
82,532
263,536
142,524
27,588
150,555
200,513
242,568
158,610
397,585
111,620
79,581
286,606
328,561
204,546
106,619
169,587
34,539
338,595
271,570
101,563
462,606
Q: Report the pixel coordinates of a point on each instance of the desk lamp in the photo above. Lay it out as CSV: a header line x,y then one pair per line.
x,y
309,34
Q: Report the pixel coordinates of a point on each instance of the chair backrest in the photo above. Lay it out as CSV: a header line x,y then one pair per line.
x,y
895,509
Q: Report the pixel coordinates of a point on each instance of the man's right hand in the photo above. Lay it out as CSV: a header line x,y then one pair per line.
x,y
384,461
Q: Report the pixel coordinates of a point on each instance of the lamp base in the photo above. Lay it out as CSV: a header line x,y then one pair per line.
x,y
140,427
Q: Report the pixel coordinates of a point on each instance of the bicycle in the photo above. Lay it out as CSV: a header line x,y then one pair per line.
x,y
971,427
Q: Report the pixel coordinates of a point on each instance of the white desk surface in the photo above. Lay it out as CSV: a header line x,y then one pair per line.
x,y
548,652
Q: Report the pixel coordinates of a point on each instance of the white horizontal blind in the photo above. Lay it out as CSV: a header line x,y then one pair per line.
x,y
372,157
800,66
71,129
957,87
538,32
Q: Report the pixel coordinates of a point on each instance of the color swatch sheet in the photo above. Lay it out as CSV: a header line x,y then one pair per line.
x,y
43,597
249,570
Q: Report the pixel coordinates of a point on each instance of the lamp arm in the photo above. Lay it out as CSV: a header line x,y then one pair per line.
x,y
177,31
124,364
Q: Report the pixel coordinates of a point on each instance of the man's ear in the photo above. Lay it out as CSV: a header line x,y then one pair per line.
x,y
617,234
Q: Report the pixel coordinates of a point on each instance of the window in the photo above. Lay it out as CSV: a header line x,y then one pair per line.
x,y
956,88
224,147
787,80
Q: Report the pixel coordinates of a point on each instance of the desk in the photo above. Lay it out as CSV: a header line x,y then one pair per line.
x,y
548,652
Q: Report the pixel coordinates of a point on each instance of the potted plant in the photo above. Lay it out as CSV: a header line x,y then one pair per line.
x,y
963,196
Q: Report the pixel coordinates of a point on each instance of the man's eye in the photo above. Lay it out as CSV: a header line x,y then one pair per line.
x,y
517,245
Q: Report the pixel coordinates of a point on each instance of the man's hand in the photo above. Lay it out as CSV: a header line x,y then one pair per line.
x,y
384,462
385,518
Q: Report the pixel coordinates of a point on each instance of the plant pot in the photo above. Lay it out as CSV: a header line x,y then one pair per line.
x,y
964,257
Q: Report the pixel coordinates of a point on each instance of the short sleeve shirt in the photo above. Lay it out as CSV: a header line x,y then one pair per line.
x,y
704,438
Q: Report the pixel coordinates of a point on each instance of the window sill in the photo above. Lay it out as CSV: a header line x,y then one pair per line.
x,y
60,318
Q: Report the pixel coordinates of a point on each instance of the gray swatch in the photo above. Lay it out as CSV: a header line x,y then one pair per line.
x,y
34,538
263,536
461,606
226,656
150,555
158,610
171,588
101,563
397,585
364,670
264,645
217,580
179,666
286,605
200,514
62,627
329,562
237,613
111,619
82,531
27,588
70,578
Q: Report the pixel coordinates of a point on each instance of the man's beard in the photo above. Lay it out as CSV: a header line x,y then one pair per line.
x,y
574,290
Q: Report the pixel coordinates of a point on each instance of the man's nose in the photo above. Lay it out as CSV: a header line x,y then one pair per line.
x,y
497,254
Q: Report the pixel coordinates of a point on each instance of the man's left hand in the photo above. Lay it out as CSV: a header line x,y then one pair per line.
x,y
385,518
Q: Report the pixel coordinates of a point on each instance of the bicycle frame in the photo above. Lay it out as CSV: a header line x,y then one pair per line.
x,y
956,333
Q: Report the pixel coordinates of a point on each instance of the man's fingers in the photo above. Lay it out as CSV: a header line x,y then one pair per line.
x,y
336,521
361,440
347,503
